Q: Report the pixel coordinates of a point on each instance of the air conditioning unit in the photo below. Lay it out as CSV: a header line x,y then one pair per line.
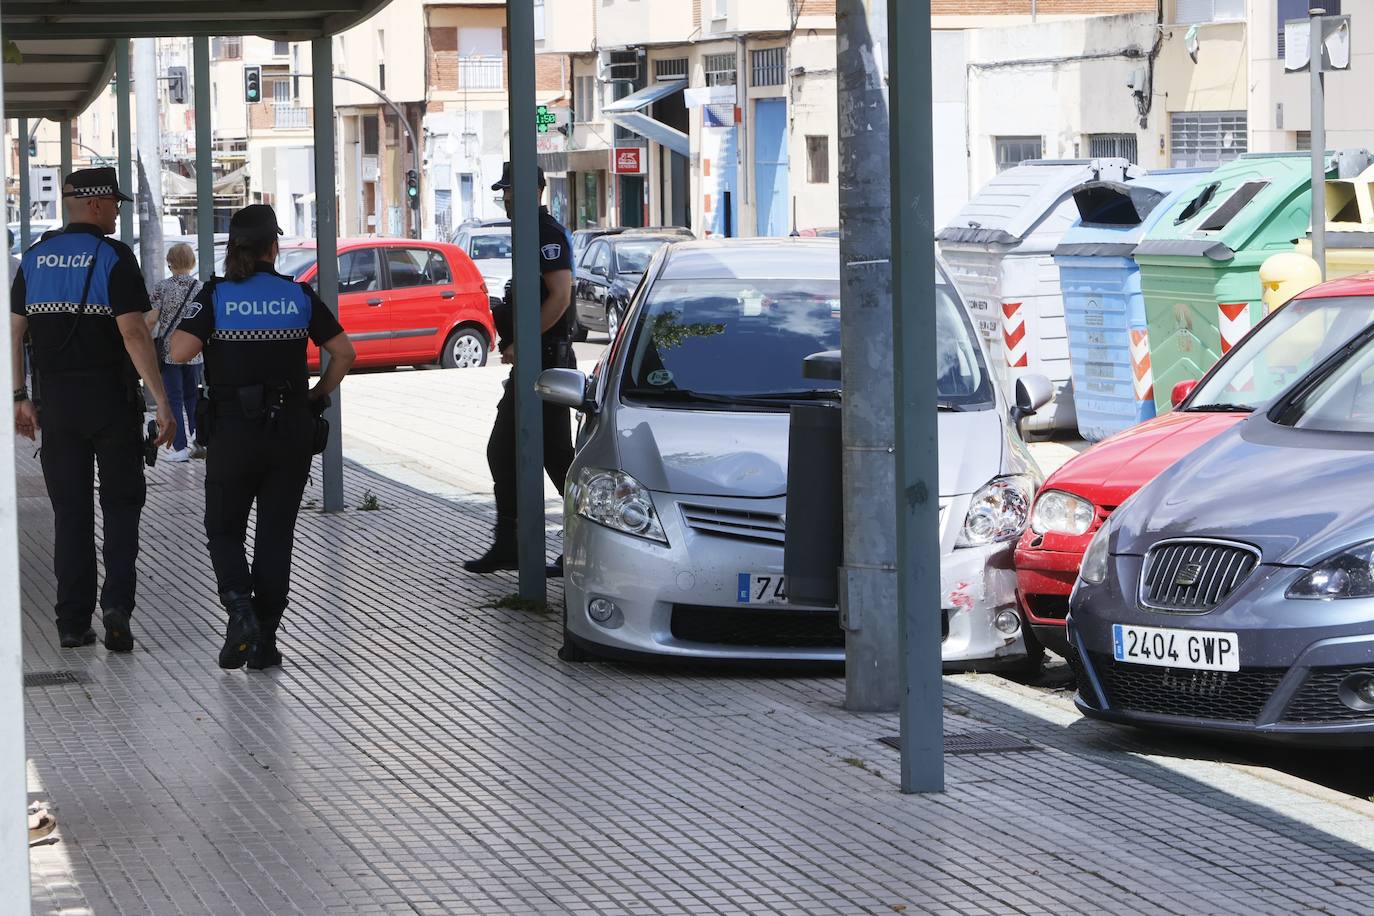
x,y
619,66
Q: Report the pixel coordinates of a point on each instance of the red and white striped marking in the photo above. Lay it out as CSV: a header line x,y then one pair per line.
x,y
1234,319
1140,366
1014,335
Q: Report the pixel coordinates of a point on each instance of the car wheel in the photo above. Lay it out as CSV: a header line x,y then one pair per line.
x,y
466,348
612,321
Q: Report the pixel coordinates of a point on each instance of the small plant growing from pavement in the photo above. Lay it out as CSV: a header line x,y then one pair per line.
x,y
369,503
516,603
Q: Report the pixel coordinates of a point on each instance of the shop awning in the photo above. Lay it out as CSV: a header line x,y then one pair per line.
x,y
629,114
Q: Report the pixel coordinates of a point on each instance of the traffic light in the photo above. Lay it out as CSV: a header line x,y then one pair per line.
x,y
33,146
252,84
176,85
413,188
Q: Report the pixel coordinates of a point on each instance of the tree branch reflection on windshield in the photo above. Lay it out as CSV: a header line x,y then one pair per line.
x,y
668,332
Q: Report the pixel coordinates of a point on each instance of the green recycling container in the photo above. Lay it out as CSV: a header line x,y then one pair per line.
x,y
1199,264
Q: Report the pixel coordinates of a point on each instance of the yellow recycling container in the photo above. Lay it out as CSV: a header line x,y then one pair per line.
x,y
1349,226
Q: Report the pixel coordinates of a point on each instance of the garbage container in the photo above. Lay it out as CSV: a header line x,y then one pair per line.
x,y
1199,263
1349,226
1104,311
1000,252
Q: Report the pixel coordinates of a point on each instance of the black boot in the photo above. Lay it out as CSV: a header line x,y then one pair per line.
x,y
504,552
265,654
118,636
75,637
241,634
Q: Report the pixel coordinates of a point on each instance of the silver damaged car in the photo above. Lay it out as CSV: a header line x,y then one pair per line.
x,y
675,505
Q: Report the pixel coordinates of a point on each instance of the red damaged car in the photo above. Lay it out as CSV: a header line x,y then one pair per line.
x,y
1078,497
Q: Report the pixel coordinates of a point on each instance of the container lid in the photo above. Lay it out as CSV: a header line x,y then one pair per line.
x,y
1113,216
1012,205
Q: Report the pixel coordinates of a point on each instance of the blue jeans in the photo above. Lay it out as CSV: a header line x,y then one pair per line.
x,y
183,394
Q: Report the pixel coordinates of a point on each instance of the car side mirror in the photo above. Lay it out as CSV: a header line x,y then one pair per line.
x,y
1181,391
1033,391
566,388
597,270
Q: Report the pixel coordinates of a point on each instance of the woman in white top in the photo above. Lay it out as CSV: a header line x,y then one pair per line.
x,y
171,297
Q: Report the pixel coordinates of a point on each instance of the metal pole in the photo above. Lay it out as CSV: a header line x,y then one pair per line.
x,y
917,484
327,250
25,192
1314,56
205,161
64,129
14,846
868,581
529,428
149,135
124,133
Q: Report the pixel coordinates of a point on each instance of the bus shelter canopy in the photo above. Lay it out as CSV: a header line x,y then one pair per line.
x,y
59,54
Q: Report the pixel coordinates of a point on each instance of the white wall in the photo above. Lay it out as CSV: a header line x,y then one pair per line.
x,y
949,63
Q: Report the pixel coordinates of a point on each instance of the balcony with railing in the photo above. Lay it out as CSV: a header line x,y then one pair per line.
x,y
481,73
286,116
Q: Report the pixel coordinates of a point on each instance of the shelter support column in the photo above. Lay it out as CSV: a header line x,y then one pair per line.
x,y
917,489
327,248
205,162
64,130
124,132
25,191
529,427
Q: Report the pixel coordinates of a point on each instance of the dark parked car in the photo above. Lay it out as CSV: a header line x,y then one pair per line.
x,y
608,275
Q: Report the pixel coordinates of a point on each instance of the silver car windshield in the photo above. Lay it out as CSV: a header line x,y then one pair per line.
x,y
742,338
1342,400
1289,344
632,257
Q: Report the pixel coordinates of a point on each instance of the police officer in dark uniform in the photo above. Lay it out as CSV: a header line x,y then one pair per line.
x,y
556,321
253,325
81,298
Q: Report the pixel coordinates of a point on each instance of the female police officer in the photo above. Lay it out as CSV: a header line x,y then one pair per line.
x,y
253,325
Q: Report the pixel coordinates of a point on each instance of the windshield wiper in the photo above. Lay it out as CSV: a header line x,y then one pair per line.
x,y
1221,408
804,394
683,394
950,406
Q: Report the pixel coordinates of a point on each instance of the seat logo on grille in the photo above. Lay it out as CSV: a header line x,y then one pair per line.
x,y
1188,575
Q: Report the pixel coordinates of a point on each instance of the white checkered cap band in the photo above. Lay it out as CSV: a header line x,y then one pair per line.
x,y
100,190
272,334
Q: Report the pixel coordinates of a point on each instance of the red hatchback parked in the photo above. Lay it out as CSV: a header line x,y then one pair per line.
x,y
404,302
1077,498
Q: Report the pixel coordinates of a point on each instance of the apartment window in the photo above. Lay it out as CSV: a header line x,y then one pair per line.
x,y
281,48
1297,9
584,99
720,9
229,47
538,20
1012,151
371,135
1303,141
672,69
1113,146
1206,138
818,159
768,67
720,69
281,91
1193,11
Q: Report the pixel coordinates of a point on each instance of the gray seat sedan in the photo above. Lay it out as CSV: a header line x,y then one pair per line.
x,y
675,506
1235,592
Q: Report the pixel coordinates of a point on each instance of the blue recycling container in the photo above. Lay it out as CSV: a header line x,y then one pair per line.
x,y
1104,311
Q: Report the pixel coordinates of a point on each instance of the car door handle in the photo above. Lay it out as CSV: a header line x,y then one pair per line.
x,y
447,294
374,302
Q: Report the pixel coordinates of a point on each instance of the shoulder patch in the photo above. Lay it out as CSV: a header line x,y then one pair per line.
x,y
551,252
192,309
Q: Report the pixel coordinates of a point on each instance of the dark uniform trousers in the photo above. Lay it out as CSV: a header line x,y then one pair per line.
x,y
92,419
558,444
251,460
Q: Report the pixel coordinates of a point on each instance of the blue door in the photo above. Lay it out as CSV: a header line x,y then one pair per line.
x,y
770,165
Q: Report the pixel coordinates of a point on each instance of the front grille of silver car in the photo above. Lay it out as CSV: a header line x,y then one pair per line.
x,y
763,527
1194,575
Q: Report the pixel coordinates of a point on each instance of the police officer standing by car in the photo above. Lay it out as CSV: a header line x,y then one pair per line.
x,y
556,320
81,298
263,417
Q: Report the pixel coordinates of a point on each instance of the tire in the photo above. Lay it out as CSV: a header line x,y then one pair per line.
x,y
465,348
579,332
612,322
572,653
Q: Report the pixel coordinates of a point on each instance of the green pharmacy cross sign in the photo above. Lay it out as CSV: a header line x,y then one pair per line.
x,y
544,119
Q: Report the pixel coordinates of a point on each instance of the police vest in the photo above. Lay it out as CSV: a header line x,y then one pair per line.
x,y
260,308
55,274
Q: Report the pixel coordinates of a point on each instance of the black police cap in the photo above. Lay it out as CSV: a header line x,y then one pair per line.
x,y
507,181
102,182
254,221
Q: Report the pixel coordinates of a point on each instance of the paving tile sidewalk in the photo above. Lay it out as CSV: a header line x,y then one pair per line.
x,y
425,752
